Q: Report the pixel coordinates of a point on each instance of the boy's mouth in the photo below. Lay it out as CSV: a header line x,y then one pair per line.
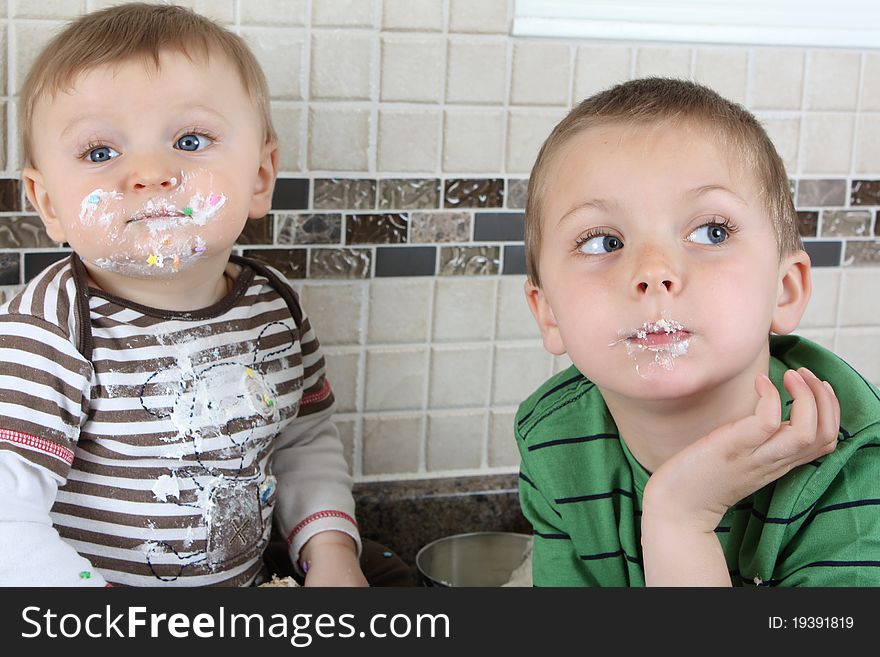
x,y
155,213
661,334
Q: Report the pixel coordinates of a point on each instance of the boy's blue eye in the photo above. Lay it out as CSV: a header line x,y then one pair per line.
x,y
101,154
192,142
709,234
600,244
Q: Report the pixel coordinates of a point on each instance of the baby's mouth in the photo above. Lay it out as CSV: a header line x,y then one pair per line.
x,y
155,213
662,334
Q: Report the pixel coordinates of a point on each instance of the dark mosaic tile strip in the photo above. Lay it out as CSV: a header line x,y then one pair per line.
x,y
290,262
824,254
440,227
517,193
865,253
409,194
309,229
10,195
291,194
514,259
376,228
340,263
808,223
846,223
406,261
345,194
470,260
258,231
498,227
474,193
10,269
23,233
34,263
820,193
865,192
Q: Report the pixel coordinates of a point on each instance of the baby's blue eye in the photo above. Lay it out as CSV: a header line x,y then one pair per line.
x,y
101,154
709,234
600,244
193,142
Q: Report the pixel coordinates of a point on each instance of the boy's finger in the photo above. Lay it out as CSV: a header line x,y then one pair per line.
x,y
826,419
803,417
768,411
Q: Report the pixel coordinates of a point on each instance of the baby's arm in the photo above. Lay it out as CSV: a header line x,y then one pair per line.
x,y
33,552
687,496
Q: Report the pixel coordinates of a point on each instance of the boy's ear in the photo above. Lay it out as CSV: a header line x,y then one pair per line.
x,y
793,293
39,198
543,314
261,201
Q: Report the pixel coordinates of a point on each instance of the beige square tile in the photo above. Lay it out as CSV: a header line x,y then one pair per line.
x,y
392,444
65,9
867,155
399,310
859,305
541,74
870,100
861,349
827,146
459,377
833,80
4,61
526,132
464,310
503,450
518,371
726,70
476,71
599,67
288,121
824,337
338,138
28,39
273,12
341,66
347,434
672,62
455,441
344,375
473,141
415,15
515,320
395,379
785,133
335,311
343,13
822,308
484,16
561,363
279,51
409,141
413,68
777,78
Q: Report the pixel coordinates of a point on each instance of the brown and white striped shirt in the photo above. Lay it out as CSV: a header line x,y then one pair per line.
x,y
159,444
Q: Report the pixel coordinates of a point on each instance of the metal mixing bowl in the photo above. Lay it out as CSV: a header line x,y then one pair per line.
x,y
476,559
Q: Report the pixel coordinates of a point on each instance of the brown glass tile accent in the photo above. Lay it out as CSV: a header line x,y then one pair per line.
x,y
23,233
340,263
10,269
865,192
10,195
309,228
290,262
845,223
470,260
474,193
26,204
345,194
808,223
865,253
821,193
257,231
440,227
409,194
376,228
517,191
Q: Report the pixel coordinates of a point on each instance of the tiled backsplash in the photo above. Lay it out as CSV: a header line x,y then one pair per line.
x,y
407,130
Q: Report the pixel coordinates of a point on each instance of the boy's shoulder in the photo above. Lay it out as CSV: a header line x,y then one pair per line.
x,y
48,299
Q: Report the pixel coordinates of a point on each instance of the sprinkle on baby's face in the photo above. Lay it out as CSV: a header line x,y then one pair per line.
x,y
146,171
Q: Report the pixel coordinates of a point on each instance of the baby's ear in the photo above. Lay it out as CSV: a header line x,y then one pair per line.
x,y
39,198
793,292
543,314
261,201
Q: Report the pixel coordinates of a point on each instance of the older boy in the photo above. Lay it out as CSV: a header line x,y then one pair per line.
x,y
161,401
683,447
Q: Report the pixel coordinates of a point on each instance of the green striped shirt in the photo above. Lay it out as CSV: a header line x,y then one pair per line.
x,y
581,489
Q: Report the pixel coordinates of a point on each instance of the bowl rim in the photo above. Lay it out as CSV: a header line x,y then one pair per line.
x,y
444,539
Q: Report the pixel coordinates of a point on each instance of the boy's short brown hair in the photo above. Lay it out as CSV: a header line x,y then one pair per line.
x,y
129,31
661,100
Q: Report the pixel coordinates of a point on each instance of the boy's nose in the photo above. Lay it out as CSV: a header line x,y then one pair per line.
x,y
152,176
655,274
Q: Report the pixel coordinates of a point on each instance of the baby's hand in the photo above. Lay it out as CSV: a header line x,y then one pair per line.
x,y
701,482
331,560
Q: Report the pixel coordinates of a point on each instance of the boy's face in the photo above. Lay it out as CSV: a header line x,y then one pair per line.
x,y
659,266
149,171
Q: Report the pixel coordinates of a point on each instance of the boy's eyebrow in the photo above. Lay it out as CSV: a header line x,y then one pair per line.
x,y
706,189
88,117
595,204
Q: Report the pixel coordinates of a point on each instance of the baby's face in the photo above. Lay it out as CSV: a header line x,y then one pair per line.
x,y
146,172
659,266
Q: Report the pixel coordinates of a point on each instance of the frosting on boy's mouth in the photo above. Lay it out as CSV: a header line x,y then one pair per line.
x,y
660,334
655,344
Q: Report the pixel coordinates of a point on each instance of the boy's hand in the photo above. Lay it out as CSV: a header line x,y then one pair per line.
x,y
696,486
331,558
